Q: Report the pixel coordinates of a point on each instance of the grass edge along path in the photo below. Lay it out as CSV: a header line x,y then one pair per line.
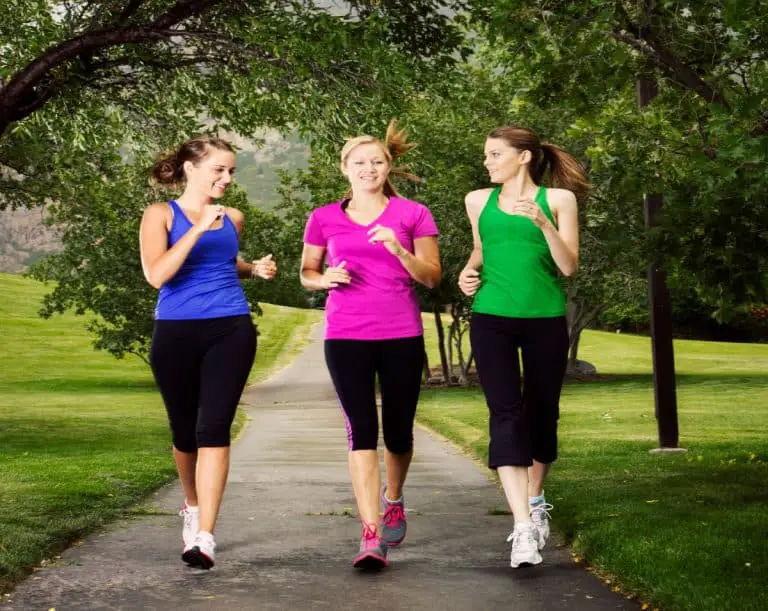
x,y
682,532
83,436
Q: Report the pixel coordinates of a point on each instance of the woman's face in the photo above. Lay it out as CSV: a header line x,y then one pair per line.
x,y
212,174
503,161
367,168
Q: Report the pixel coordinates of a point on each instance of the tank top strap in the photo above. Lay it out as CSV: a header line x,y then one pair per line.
x,y
541,199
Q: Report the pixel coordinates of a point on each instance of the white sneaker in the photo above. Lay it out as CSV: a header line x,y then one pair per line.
x,y
540,516
191,517
525,545
201,552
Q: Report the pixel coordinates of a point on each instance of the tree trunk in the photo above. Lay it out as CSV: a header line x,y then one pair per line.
x,y
441,344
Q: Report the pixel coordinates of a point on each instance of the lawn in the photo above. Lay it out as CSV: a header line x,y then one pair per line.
x,y
84,436
681,532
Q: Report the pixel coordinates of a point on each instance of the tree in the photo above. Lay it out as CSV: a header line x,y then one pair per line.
x,y
90,92
702,141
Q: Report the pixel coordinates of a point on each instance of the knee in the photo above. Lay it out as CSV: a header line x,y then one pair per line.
x,y
213,435
185,441
398,443
364,438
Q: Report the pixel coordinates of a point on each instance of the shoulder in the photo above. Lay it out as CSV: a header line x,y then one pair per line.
x,y
235,215
410,206
476,200
322,212
561,199
158,212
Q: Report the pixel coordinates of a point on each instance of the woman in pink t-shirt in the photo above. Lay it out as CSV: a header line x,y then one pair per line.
x,y
376,243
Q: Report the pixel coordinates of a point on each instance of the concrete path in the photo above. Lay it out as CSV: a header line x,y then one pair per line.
x,y
285,540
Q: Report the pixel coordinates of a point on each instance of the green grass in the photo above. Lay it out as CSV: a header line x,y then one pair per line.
x,y
682,532
84,436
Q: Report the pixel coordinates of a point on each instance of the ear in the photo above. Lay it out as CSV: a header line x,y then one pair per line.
x,y
526,156
187,166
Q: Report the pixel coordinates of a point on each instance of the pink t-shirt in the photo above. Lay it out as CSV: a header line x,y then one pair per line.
x,y
380,301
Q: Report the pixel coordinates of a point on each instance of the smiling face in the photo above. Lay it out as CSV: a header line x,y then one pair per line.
x,y
367,167
504,161
212,174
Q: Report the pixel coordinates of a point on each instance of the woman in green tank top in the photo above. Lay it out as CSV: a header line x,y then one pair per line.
x,y
526,238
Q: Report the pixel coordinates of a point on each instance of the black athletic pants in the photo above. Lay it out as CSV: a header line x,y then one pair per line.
x,y
523,414
201,368
353,365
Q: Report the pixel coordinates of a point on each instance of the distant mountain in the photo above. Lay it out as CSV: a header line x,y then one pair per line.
x,y
24,238
257,166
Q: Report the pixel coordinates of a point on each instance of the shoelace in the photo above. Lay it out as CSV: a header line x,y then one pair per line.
x,y
393,515
369,531
542,508
515,534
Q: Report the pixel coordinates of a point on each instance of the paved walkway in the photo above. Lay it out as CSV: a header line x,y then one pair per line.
x,y
285,541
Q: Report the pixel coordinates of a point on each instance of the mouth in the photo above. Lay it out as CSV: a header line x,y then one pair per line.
x,y
220,186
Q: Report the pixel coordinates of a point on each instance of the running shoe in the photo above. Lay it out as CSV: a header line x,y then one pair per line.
x,y
373,550
201,552
525,545
393,524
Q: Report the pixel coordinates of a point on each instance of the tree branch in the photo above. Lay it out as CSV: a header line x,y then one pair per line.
x,y
21,87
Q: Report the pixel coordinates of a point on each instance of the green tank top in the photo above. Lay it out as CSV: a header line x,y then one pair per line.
x,y
519,276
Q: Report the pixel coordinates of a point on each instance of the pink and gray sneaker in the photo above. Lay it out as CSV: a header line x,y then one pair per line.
x,y
373,550
393,524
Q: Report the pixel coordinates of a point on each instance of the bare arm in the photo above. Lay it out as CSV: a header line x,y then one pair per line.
x,y
563,240
469,278
159,262
423,264
311,274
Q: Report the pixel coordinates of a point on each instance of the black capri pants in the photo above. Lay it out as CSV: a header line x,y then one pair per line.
x,y
353,365
523,416
201,368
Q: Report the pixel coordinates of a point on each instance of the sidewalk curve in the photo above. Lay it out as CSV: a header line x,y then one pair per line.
x,y
286,541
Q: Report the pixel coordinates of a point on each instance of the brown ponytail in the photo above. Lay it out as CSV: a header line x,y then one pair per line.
x,y
565,171
168,169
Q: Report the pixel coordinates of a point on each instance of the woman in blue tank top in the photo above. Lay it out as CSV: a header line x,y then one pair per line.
x,y
204,342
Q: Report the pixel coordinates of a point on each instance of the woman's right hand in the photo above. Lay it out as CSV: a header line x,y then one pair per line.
x,y
469,281
210,215
334,276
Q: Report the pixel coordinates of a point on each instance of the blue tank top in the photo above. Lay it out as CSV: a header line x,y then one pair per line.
x,y
206,285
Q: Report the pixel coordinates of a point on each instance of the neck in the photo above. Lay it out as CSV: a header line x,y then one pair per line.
x,y
368,201
519,186
192,199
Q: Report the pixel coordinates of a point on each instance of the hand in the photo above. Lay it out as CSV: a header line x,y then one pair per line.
x,y
210,215
334,276
469,281
386,236
264,268
530,209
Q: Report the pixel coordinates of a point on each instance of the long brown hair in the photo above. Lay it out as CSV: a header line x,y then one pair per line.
x,y
565,171
169,167
395,145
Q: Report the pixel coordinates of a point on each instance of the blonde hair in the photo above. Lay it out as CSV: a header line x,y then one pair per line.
x,y
395,145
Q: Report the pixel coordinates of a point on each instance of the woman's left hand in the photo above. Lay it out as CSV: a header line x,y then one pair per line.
x,y
530,209
387,237
264,268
